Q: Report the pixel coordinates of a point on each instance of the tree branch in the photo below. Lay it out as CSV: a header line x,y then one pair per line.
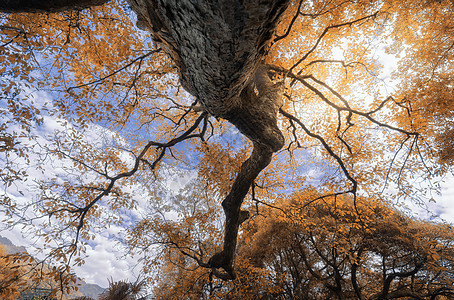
x,y
289,28
327,29
83,211
327,148
140,58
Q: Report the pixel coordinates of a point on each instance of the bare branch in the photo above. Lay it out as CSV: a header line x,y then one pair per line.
x,y
327,148
140,59
327,29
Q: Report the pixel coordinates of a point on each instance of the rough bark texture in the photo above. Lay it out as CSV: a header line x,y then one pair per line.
x,y
218,47
46,5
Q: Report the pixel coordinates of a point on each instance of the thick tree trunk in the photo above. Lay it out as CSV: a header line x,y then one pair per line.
x,y
218,47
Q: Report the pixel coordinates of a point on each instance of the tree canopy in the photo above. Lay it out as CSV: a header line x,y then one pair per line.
x,y
253,105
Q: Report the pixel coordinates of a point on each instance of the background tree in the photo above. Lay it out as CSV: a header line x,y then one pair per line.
x,y
21,276
120,290
299,79
9,276
326,250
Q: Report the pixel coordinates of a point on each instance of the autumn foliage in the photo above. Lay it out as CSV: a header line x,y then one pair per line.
x,y
9,276
23,276
94,106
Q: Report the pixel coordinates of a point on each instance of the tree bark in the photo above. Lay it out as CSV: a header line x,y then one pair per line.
x,y
217,47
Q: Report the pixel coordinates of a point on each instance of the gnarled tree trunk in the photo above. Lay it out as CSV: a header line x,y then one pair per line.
x,y
218,47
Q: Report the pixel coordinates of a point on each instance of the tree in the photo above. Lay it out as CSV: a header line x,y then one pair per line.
x,y
21,278
265,67
9,275
120,290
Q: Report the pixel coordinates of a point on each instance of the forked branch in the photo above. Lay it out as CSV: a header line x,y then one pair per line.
x,y
80,212
354,184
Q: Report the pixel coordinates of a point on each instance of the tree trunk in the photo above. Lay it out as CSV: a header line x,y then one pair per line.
x,y
218,47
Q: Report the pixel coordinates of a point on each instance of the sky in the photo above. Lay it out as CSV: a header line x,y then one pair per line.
x,y
443,207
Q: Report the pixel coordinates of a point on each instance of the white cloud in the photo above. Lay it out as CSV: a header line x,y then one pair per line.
x,y
441,207
106,262
445,202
